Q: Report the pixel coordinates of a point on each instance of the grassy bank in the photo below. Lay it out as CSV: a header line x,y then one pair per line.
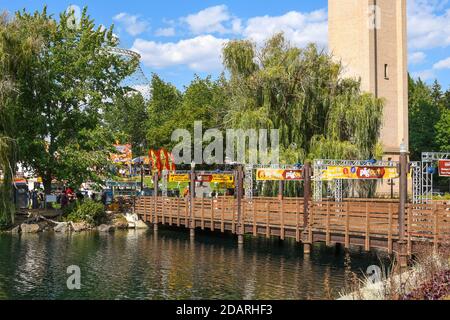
x,y
428,278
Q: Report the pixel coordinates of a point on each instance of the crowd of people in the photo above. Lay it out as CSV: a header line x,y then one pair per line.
x,y
64,197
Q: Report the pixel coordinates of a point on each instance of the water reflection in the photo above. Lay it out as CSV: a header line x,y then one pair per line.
x,y
168,265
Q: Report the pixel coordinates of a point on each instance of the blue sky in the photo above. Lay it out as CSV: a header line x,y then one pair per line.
x,y
180,38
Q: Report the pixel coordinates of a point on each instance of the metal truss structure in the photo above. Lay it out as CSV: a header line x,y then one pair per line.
x,y
248,181
249,185
416,173
137,81
428,160
336,186
164,184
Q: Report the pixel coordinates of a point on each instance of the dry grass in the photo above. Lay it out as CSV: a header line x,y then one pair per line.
x,y
427,278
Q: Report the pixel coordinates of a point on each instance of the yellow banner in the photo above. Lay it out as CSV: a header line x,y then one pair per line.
x,y
278,175
359,173
222,178
179,177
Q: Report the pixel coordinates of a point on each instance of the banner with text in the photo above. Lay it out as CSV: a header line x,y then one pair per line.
x,y
444,168
278,175
359,173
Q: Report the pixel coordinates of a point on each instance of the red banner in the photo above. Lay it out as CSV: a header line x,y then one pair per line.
x,y
164,157
444,168
155,160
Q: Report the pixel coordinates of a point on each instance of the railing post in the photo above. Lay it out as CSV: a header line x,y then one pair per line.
x,y
307,172
191,203
280,189
155,197
306,193
403,255
240,192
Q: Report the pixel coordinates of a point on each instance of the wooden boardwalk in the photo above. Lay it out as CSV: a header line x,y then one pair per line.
x,y
369,224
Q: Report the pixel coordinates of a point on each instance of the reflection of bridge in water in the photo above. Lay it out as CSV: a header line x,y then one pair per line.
x,y
370,224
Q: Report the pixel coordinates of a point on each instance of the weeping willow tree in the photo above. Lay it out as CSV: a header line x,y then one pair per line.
x,y
7,142
301,92
15,53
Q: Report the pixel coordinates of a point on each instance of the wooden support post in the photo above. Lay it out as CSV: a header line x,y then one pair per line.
x,y
280,189
310,225
192,203
367,239
390,229
403,168
347,225
155,197
297,221
281,219
328,231
240,194
436,226
267,220
306,248
307,193
178,211
212,214
255,230
408,232
203,214
307,224
222,216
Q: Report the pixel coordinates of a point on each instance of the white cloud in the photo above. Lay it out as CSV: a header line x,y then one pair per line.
x,y
165,32
428,26
417,57
443,64
299,28
133,24
202,53
424,74
209,20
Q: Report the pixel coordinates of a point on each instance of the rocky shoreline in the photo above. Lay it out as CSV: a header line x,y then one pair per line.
x,y
115,222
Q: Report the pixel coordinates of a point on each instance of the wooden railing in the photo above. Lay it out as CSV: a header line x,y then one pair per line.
x,y
368,224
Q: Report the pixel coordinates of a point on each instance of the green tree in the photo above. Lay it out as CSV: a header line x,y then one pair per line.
x,y
15,53
128,118
165,101
302,93
203,100
66,88
424,113
443,131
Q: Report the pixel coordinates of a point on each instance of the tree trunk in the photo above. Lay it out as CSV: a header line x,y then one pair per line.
x,y
47,181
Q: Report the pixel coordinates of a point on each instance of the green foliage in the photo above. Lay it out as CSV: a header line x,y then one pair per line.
x,y
169,109
443,131
300,92
64,90
14,52
127,118
166,99
88,211
423,116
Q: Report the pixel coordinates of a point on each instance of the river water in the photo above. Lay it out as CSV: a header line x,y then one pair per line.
x,y
169,265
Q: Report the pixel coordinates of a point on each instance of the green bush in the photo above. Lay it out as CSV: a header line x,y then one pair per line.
x,y
89,211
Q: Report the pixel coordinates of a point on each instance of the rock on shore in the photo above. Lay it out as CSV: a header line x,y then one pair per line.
x,y
30,228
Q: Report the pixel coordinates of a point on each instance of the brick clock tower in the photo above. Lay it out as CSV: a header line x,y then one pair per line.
x,y
369,37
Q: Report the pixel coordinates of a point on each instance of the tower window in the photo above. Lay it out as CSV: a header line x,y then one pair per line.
x,y
386,71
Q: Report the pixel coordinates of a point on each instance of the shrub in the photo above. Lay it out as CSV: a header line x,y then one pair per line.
x,y
89,211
